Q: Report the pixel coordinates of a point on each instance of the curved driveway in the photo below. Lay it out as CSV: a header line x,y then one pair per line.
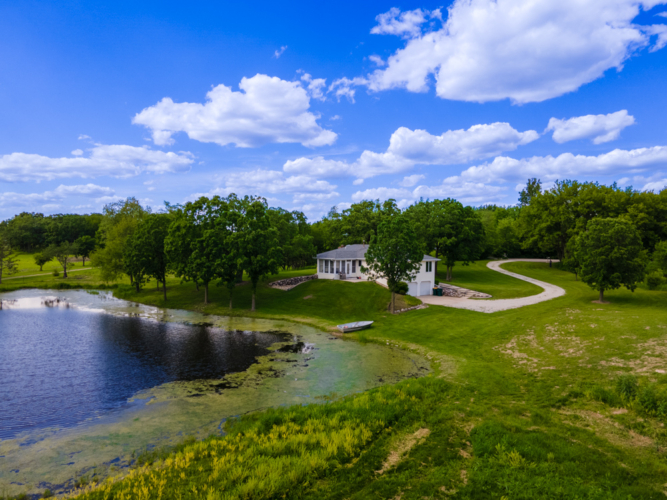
x,y
491,306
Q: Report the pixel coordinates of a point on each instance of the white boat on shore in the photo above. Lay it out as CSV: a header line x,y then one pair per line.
x,y
355,327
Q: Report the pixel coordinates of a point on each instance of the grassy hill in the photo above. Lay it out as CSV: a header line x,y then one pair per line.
x,y
563,399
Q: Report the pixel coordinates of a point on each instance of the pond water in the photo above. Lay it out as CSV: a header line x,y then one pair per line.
x,y
86,380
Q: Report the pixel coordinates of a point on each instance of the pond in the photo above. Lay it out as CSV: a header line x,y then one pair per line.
x,y
87,380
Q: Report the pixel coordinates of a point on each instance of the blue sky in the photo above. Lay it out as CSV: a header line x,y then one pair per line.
x,y
313,106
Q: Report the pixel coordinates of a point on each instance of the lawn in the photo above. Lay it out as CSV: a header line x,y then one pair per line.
x,y
563,399
476,276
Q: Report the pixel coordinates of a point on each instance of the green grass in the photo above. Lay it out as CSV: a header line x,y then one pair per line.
x,y
476,276
529,402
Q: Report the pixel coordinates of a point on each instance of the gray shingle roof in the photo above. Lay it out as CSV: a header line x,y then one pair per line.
x,y
351,252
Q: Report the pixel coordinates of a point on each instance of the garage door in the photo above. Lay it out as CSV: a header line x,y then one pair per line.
x,y
413,289
425,288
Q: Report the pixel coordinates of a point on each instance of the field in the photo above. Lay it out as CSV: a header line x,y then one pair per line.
x,y
564,399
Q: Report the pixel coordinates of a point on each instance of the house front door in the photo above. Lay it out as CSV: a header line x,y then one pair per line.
x,y
348,267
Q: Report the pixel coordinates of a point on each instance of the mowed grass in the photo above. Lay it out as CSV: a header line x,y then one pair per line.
x,y
476,276
524,403
26,266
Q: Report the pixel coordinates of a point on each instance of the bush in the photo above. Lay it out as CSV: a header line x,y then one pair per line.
x,y
47,494
626,386
648,399
655,279
56,273
401,288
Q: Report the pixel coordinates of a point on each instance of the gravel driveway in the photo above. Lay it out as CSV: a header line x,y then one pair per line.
x,y
491,306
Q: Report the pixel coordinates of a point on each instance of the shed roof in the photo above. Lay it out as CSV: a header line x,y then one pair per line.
x,y
350,252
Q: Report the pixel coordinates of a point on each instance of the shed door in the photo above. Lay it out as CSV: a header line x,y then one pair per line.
x,y
413,289
425,288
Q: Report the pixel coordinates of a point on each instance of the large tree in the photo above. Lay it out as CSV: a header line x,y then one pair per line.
x,y
257,241
148,256
395,253
117,226
611,255
464,241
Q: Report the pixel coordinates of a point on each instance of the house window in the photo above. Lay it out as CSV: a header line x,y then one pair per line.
x,y
354,266
331,266
337,267
326,266
321,266
429,267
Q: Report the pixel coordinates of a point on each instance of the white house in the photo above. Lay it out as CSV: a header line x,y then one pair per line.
x,y
345,263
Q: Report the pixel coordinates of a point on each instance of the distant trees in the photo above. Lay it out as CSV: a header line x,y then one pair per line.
x,y
611,255
8,264
395,253
85,245
42,258
63,253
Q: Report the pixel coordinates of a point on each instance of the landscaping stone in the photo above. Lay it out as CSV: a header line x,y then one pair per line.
x,y
289,283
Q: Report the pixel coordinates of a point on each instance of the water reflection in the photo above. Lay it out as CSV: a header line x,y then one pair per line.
x,y
60,365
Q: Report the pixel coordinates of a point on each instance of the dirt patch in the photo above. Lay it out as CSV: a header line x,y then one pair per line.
x,y
652,357
402,447
308,297
600,301
608,429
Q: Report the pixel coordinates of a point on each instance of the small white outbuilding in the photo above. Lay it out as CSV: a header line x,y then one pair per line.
x,y
345,263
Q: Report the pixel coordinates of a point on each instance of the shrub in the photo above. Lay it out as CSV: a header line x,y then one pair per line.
x,y
648,399
655,279
401,288
626,387
56,273
47,494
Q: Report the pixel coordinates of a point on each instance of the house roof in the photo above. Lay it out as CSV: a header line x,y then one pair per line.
x,y
351,252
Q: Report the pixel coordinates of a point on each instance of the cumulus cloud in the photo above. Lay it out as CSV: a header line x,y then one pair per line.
x,y
602,128
111,160
488,50
315,86
377,60
265,110
406,24
53,199
411,180
451,187
408,148
280,51
567,165
263,182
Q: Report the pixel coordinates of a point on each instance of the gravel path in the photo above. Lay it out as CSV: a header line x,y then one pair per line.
x,y
491,306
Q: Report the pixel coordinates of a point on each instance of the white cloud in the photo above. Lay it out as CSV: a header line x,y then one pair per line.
x,y
263,182
567,166
411,180
112,160
77,152
377,60
315,86
488,50
602,128
451,187
265,110
408,148
280,51
406,24
662,14
53,199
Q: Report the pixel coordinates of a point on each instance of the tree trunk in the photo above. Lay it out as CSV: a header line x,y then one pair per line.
x,y
253,301
136,284
164,289
205,293
449,273
601,295
65,270
393,302
84,260
197,285
157,284
230,302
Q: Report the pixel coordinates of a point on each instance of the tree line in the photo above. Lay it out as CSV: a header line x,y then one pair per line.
x,y
214,240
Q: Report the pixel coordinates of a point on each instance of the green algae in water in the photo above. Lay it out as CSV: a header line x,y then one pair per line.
x,y
166,414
